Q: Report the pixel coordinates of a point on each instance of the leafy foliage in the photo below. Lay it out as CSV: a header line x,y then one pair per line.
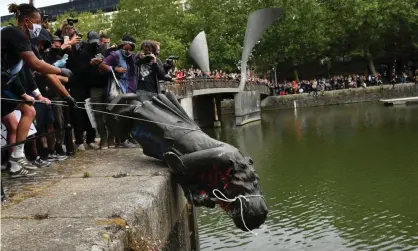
x,y
309,30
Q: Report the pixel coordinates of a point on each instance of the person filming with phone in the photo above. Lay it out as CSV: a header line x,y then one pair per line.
x,y
84,63
150,70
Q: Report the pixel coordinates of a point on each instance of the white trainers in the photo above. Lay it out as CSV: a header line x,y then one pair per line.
x,y
41,163
23,162
56,157
127,144
93,146
22,172
81,147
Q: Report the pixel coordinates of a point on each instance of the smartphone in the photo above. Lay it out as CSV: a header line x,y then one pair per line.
x,y
45,18
66,39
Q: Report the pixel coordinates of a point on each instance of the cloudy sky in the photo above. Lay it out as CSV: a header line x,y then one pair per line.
x,y
38,3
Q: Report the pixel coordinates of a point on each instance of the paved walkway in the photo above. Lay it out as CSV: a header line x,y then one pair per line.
x,y
97,200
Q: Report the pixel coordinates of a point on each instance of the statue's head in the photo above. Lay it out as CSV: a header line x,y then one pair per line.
x,y
234,178
243,182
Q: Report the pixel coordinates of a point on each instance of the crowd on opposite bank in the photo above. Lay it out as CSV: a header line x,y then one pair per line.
x,y
337,82
192,73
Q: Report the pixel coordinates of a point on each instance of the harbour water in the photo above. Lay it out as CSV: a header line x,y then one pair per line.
x,y
334,178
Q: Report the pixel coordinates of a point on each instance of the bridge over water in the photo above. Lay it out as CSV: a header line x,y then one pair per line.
x,y
201,98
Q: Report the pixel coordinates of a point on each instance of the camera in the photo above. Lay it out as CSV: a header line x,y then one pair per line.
x,y
148,57
72,21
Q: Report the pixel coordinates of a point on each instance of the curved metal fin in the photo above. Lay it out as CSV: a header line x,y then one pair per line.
x,y
198,51
258,22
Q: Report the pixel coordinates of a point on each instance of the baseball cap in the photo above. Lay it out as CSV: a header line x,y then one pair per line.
x,y
56,38
92,37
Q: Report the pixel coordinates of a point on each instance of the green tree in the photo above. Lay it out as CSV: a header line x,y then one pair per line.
x,y
159,20
10,21
372,27
299,36
87,21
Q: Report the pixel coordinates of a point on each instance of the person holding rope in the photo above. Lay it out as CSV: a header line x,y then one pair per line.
x,y
15,52
51,149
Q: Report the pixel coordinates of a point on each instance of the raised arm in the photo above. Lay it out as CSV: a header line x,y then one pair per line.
x,y
38,65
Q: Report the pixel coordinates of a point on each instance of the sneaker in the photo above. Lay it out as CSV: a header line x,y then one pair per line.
x,y
81,147
23,162
103,145
133,141
56,157
22,172
93,146
59,149
127,144
5,166
60,157
41,163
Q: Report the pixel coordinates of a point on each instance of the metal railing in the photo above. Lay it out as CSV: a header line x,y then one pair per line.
x,y
186,87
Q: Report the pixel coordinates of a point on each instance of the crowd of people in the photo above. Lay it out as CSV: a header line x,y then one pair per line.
x,y
336,82
49,76
193,73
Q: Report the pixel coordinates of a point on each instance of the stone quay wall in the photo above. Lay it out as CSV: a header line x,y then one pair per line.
x,y
346,96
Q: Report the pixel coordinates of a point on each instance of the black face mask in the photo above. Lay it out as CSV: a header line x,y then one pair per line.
x,y
94,48
55,51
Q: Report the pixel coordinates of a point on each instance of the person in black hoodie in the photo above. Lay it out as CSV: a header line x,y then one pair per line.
x,y
98,85
83,63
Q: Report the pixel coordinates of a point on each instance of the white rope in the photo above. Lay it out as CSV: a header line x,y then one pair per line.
x,y
58,102
240,198
91,103
110,113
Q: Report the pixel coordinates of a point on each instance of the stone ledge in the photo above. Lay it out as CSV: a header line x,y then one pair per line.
x,y
101,212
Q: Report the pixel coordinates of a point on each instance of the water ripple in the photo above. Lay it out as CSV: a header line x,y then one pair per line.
x,y
348,184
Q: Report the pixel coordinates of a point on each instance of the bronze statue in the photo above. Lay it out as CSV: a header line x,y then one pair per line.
x,y
200,164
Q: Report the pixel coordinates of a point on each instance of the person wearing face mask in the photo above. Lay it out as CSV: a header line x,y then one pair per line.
x,y
16,52
121,63
98,84
104,43
84,64
48,118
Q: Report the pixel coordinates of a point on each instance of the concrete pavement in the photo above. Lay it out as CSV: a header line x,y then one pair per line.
x,y
103,200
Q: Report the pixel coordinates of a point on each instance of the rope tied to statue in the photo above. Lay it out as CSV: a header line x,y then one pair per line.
x,y
240,198
60,103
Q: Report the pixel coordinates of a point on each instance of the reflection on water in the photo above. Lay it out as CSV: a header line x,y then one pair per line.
x,y
335,178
